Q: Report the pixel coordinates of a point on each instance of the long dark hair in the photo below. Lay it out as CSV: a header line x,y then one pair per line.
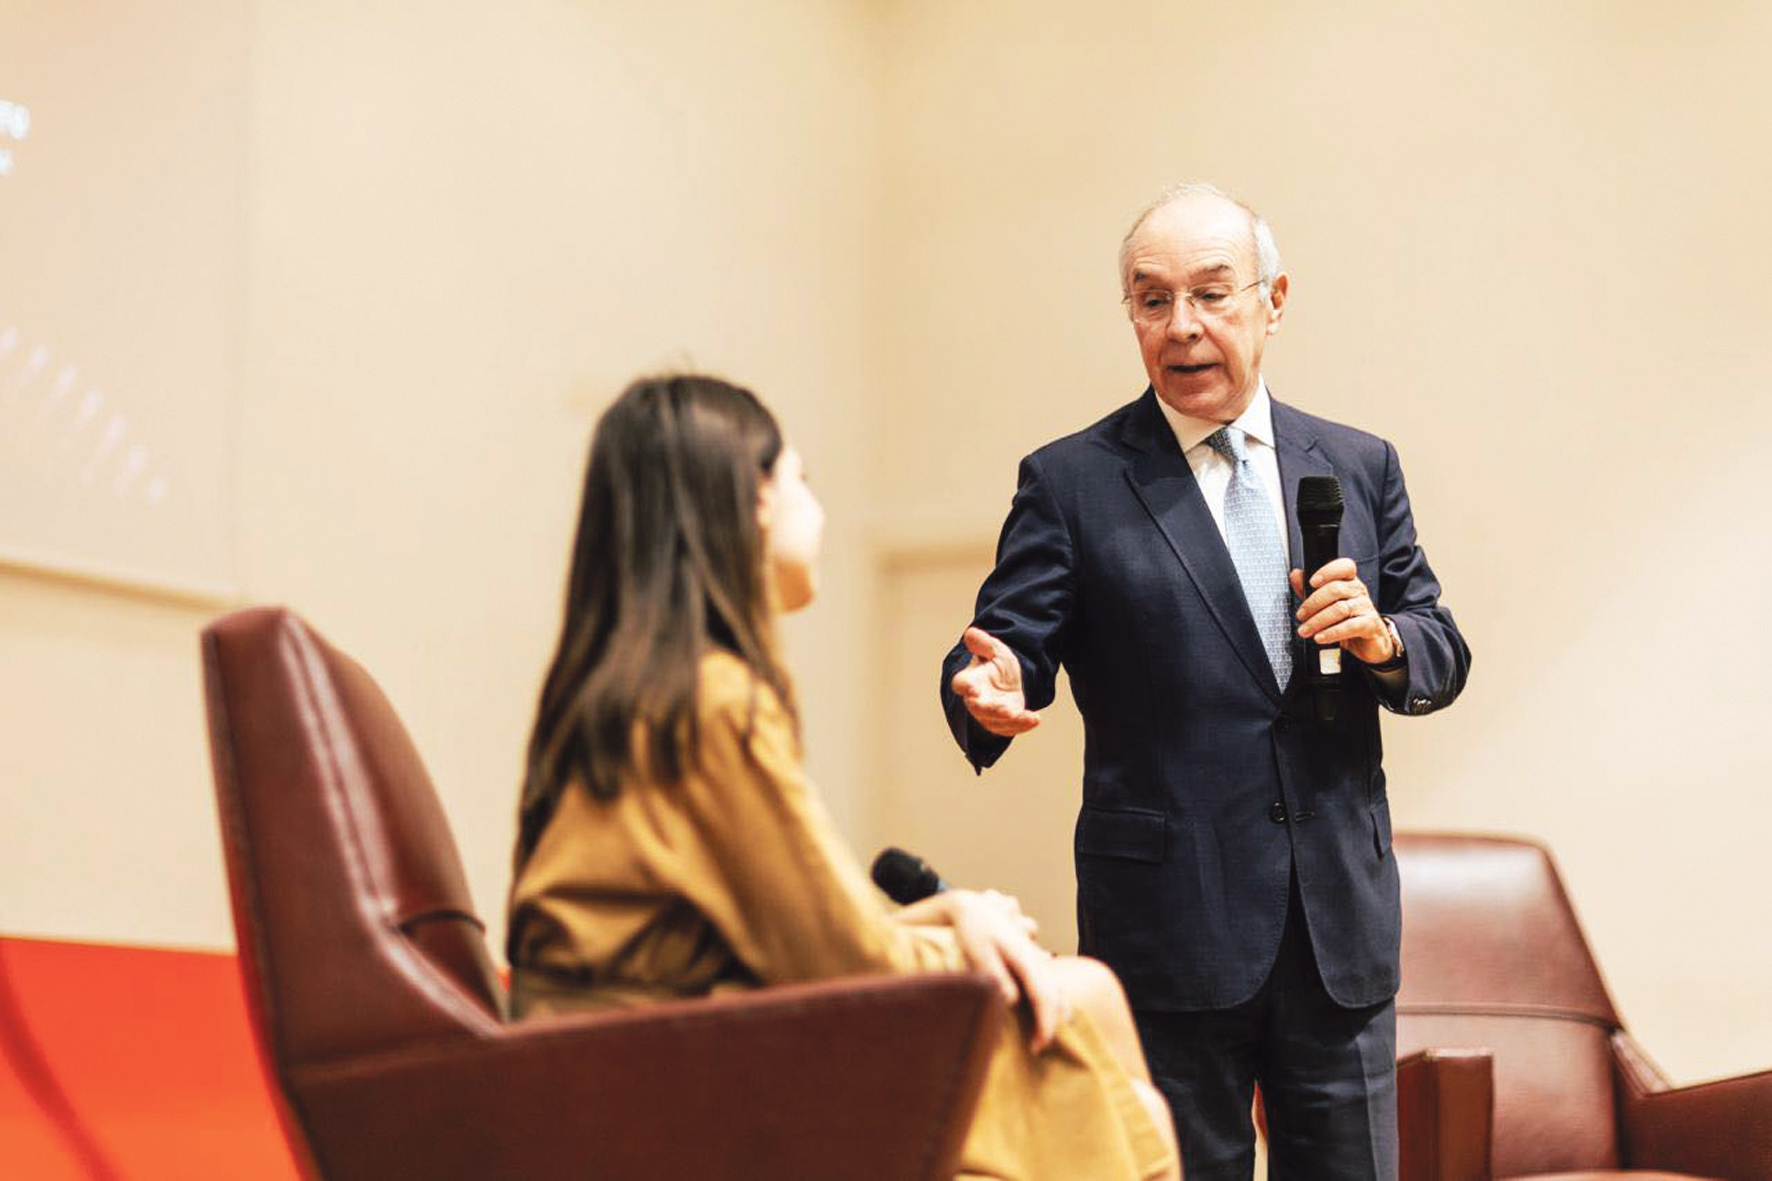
x,y
668,561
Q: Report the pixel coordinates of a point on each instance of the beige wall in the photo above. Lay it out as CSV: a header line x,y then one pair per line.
x,y
1525,247
468,228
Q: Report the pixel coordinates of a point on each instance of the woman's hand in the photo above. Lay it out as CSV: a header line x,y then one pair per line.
x,y
937,910
997,939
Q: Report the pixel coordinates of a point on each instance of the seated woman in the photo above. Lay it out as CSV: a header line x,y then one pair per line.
x,y
669,844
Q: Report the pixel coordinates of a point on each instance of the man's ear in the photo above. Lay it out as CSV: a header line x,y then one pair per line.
x,y
1276,305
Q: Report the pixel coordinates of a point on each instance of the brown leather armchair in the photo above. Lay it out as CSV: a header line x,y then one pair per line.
x,y
1513,1061
380,1017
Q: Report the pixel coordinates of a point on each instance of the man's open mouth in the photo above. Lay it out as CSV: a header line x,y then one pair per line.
x,y
1190,368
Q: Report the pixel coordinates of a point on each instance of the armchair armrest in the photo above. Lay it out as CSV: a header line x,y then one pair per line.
x,y
1445,1115
875,1077
1717,1129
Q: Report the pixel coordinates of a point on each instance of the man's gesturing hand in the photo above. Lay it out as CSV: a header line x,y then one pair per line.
x,y
991,686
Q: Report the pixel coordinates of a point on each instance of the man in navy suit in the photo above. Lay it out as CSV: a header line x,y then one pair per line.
x,y
1233,848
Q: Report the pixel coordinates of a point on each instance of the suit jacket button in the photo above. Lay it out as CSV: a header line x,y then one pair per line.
x,y
1277,812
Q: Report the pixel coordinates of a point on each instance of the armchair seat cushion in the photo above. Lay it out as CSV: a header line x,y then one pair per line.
x,y
1553,1106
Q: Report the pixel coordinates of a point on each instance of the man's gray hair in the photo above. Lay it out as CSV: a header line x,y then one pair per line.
x,y
1267,251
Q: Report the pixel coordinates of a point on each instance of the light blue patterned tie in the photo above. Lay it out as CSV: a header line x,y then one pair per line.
x,y
1257,551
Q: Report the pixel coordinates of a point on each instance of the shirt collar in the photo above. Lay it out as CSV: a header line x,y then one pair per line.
x,y
1256,422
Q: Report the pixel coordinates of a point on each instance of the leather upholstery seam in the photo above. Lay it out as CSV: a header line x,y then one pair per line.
x,y
437,914
1532,1012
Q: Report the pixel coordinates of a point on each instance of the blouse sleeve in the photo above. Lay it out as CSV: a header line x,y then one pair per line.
x,y
786,893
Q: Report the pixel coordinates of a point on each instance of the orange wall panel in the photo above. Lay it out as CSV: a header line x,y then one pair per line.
x,y
130,1062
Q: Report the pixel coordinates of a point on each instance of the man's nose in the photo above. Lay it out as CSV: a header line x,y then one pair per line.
x,y
1184,321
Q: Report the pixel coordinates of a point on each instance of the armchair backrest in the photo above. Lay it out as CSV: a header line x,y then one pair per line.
x,y
1493,957
355,929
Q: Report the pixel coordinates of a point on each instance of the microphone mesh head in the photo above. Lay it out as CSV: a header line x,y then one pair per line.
x,y
1319,500
904,877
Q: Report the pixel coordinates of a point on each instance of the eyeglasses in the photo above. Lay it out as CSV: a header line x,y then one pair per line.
x,y
1210,302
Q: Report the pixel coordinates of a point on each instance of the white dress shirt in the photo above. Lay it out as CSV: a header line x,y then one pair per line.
x,y
1213,471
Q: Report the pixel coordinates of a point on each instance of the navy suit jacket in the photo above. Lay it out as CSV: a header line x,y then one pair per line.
x,y
1205,787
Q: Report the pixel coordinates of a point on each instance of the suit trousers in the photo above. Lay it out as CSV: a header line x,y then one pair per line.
x,y
1327,1075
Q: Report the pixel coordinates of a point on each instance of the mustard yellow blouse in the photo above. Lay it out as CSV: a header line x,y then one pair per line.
x,y
736,878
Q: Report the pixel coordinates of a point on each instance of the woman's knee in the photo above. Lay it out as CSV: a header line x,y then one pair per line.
x,y
1092,985
1094,989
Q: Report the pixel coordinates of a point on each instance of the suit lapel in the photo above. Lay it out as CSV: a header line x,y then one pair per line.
x,y
1165,484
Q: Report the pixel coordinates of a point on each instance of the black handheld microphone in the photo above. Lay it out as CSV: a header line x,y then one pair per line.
x,y
1319,519
905,877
